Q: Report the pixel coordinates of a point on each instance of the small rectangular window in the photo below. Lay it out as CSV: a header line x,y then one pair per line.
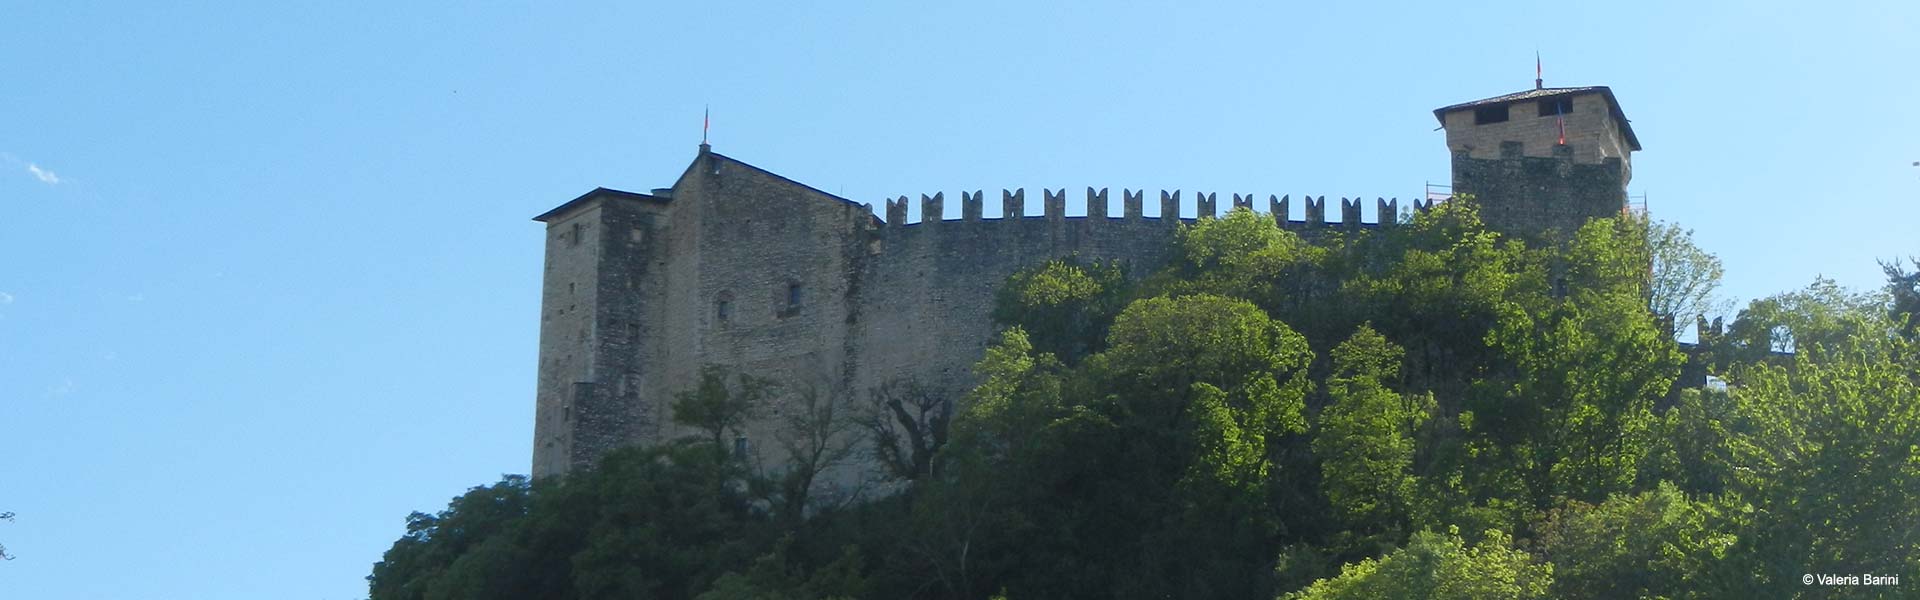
x,y
740,447
793,295
1490,114
1556,106
573,239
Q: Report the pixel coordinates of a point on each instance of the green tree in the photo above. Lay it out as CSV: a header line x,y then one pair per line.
x,y
964,526
1695,447
641,523
1245,255
1585,370
1065,306
1829,464
422,563
1781,323
1437,286
774,577
717,408
1654,544
1437,566
1365,437
1685,279
1904,288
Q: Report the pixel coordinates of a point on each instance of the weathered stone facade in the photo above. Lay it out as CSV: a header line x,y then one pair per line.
x,y
740,267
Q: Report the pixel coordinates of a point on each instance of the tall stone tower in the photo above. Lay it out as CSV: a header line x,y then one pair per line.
x,y
1542,160
601,281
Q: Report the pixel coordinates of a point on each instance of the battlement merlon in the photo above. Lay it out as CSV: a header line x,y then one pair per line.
x,y
933,208
970,206
1206,205
1055,203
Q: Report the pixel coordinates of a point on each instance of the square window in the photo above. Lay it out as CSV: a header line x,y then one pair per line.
x,y
1490,114
1556,106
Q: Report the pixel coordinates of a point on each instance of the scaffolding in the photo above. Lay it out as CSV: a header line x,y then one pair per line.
x,y
1636,206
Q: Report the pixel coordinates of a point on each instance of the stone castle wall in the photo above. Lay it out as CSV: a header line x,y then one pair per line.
x,y
1528,196
739,267
929,290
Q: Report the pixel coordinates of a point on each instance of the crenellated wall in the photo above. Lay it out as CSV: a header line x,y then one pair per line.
x,y
928,290
739,267
1013,202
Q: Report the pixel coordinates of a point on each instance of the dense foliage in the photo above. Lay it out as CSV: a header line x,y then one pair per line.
x,y
1423,411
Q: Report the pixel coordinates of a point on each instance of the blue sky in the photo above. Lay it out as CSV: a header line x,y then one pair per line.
x,y
268,282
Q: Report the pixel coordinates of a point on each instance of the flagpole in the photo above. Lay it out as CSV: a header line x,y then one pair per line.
x,y
1538,82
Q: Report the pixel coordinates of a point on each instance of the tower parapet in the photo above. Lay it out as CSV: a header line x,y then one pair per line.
x,y
1541,160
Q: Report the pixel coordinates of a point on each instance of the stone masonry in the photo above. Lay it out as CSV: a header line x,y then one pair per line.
x,y
737,266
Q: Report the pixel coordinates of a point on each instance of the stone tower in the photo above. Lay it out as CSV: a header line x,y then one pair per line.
x,y
1542,160
732,266
601,278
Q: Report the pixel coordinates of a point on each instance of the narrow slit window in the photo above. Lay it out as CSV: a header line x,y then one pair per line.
x,y
723,307
793,296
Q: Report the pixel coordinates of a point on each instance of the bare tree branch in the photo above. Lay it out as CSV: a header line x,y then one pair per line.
x,y
908,422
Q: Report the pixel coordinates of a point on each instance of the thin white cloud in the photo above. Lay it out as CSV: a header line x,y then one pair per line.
x,y
137,297
6,298
63,388
45,176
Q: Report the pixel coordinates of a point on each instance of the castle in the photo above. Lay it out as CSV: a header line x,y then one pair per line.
x,y
734,265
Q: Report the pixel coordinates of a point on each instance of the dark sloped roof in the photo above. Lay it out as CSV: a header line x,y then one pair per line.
x,y
1613,105
785,179
597,192
875,219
